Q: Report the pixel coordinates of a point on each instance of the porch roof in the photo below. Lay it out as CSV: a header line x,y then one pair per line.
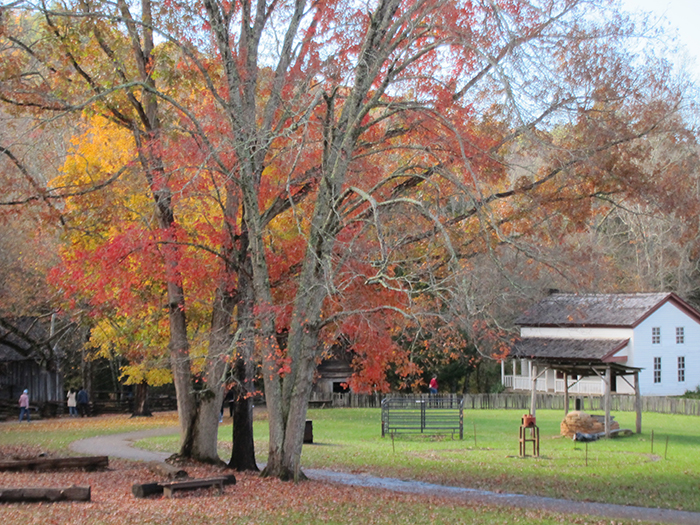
x,y
574,356
603,350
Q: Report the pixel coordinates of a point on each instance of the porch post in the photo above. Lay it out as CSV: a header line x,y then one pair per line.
x,y
503,372
533,394
566,393
607,381
638,402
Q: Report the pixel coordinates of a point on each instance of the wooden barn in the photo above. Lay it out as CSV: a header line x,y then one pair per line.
x,y
27,360
333,373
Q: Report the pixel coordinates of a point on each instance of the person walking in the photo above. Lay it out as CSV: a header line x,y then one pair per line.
x,y
433,386
24,405
83,400
72,403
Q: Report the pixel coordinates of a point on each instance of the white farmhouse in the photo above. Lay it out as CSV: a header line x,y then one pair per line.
x,y
569,342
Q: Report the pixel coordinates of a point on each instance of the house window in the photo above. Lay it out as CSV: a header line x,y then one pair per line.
x,y
657,370
680,335
681,369
656,335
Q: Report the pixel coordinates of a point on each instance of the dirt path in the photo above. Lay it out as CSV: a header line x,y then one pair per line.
x,y
120,446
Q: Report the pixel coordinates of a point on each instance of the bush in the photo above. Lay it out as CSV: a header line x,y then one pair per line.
x,y
692,394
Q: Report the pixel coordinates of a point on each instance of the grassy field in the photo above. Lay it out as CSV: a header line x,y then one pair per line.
x,y
624,471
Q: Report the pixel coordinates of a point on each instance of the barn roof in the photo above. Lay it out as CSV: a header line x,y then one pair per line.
x,y
599,310
16,343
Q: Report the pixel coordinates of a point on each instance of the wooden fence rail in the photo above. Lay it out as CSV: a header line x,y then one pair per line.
x,y
511,401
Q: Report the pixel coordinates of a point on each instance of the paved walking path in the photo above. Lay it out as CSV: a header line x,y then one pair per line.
x,y
120,446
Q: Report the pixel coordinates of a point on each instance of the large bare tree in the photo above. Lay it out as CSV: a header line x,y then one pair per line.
x,y
383,132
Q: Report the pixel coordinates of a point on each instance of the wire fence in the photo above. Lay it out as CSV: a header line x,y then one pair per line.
x,y
521,401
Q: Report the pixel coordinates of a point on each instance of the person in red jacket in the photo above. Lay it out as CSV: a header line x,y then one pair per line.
x,y
24,405
433,386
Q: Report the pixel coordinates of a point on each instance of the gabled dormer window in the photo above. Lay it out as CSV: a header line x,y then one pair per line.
x,y
680,335
656,335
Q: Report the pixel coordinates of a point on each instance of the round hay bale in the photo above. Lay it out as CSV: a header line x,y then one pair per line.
x,y
579,421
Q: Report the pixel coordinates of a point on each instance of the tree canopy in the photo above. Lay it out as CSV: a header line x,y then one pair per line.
x,y
256,181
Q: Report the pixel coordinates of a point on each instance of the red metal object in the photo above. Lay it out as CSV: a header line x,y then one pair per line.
x,y
528,420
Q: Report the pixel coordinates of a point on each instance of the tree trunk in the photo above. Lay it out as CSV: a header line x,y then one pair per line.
x,y
303,342
141,408
204,438
147,138
201,440
243,451
243,445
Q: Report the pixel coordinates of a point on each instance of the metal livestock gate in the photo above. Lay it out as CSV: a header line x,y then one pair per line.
x,y
429,414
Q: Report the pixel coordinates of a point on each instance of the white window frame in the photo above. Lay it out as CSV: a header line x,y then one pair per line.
x,y
680,335
656,335
657,370
681,369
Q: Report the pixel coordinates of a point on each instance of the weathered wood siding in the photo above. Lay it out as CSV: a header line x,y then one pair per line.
x,y
43,385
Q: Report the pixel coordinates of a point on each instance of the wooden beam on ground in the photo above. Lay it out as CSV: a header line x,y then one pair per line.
x,y
32,494
84,462
143,490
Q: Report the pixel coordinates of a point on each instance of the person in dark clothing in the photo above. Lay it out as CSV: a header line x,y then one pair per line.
x,y
83,402
230,399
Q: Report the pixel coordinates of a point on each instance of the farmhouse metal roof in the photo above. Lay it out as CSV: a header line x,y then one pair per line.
x,y
587,350
618,310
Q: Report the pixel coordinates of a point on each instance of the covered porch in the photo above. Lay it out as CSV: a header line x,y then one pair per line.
x,y
551,382
570,363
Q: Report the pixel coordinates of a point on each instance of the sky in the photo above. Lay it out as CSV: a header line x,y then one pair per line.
x,y
683,15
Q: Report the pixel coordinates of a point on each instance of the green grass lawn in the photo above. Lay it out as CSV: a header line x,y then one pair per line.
x,y
57,434
622,471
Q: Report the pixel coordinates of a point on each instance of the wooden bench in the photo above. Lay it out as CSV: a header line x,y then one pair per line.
x,y
432,415
190,484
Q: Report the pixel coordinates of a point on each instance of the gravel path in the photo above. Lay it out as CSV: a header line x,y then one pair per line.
x,y
120,446
602,510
